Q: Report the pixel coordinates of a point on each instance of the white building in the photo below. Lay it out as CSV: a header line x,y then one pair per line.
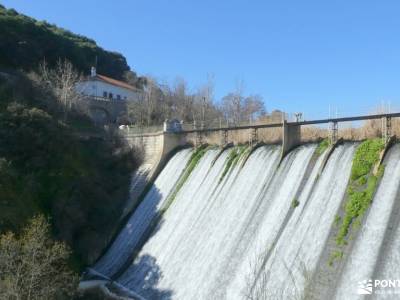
x,y
105,88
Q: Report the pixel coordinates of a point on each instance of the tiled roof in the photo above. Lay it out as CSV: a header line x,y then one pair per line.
x,y
115,82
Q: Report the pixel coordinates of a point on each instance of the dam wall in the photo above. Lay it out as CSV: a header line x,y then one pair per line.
x,y
223,226
158,147
224,232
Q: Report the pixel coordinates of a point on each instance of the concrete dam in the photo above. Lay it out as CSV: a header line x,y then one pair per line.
x,y
246,222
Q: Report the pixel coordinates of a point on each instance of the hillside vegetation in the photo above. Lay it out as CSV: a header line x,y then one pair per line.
x,y
49,166
25,41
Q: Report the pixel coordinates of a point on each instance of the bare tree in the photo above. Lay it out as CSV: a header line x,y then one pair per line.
x,y
61,81
204,109
153,107
253,108
238,109
34,266
165,101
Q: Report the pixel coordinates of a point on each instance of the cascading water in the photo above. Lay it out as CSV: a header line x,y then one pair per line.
x,y
375,254
297,252
262,230
125,243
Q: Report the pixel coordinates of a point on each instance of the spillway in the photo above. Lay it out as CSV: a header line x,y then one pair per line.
x,y
262,230
129,237
375,254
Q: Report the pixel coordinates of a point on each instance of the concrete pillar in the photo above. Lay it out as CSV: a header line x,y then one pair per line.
x,y
224,137
253,136
291,137
199,138
386,129
334,133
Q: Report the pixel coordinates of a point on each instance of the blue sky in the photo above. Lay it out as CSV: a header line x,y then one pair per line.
x,y
298,55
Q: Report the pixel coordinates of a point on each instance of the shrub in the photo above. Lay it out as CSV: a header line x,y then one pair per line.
x,y
33,266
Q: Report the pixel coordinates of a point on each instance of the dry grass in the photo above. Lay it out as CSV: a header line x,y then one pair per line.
x,y
270,135
368,130
312,134
266,135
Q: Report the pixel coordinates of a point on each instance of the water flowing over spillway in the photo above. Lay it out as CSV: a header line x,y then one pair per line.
x,y
376,252
262,230
127,240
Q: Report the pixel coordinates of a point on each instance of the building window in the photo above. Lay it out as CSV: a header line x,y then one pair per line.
x,y
105,94
118,97
110,95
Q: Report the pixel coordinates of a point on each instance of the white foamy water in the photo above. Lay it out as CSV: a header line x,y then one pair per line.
x,y
373,257
123,246
211,228
297,252
243,236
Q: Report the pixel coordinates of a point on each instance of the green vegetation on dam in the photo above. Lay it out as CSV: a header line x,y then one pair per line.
x,y
362,185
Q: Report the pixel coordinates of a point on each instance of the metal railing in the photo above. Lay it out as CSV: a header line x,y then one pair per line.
x,y
217,126
299,123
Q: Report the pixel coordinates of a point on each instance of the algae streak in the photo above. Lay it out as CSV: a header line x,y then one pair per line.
x,y
362,185
234,155
322,146
191,164
360,192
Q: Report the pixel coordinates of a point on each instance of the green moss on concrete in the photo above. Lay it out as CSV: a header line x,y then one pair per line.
x,y
233,157
362,185
360,193
322,146
366,156
337,220
335,255
191,164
